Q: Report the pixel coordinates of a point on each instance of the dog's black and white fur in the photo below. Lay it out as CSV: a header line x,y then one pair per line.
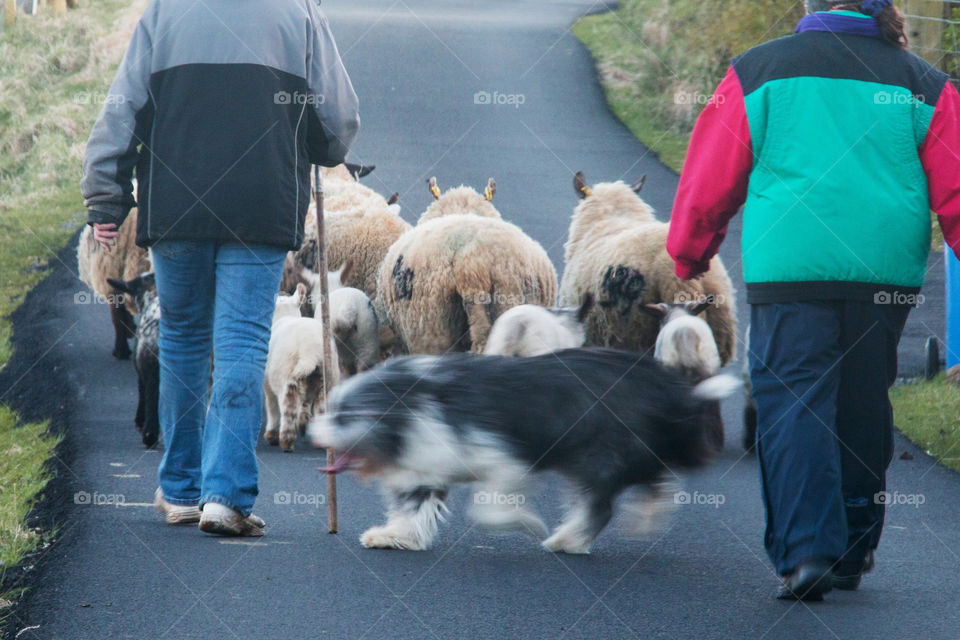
x,y
605,419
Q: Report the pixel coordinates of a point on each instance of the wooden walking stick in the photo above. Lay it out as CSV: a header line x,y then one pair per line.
x,y
332,524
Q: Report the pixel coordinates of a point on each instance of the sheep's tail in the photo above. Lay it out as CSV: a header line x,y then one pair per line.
x,y
307,366
341,327
717,387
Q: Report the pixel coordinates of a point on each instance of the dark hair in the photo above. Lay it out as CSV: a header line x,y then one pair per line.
x,y
892,23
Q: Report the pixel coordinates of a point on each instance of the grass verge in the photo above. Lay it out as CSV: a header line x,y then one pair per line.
x,y
928,413
659,62
55,72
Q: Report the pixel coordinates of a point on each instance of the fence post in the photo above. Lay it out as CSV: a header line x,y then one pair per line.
x,y
9,12
925,28
953,307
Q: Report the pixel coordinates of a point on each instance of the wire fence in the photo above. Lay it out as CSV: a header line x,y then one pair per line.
x,y
933,27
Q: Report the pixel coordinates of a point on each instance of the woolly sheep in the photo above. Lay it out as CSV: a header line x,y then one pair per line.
x,y
355,327
359,224
124,261
143,290
294,378
616,250
529,330
685,343
443,283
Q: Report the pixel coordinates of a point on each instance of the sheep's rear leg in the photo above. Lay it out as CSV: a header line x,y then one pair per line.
x,y
272,432
123,329
478,319
141,404
151,401
290,411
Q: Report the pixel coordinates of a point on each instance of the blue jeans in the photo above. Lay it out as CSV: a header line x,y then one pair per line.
x,y
821,372
213,297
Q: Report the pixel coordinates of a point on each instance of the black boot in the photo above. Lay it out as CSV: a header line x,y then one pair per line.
x,y
847,575
812,578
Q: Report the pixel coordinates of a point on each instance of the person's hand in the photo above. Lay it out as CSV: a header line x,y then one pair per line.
x,y
105,234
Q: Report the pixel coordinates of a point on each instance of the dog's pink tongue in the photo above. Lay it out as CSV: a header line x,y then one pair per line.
x,y
342,462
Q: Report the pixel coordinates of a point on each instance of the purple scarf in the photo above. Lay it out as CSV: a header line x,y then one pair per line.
x,y
839,23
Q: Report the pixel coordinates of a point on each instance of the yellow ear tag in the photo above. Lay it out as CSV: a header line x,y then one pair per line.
x,y
488,194
435,190
587,191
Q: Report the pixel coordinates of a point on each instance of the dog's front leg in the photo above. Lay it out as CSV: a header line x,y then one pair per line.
x,y
413,516
581,525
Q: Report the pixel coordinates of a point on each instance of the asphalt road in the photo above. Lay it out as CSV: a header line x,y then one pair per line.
x,y
119,572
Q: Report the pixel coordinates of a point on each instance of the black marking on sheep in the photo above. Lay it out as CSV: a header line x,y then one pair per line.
x,y
621,286
403,280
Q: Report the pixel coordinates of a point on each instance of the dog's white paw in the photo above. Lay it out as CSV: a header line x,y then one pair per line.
x,y
272,437
561,543
385,538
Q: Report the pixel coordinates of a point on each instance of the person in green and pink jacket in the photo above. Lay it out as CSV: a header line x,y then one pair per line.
x,y
838,142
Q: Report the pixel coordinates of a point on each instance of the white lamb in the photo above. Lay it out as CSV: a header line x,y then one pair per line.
x,y
685,342
294,376
356,329
531,330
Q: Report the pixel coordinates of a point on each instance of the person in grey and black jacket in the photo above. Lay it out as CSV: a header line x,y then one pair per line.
x,y
220,107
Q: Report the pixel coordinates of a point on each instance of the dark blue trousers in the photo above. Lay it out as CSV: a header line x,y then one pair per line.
x,y
821,373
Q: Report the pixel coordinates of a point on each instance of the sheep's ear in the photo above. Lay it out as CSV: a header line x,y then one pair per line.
x,y
301,294
120,285
586,304
637,186
346,269
658,310
434,189
359,170
580,186
490,190
393,199
696,308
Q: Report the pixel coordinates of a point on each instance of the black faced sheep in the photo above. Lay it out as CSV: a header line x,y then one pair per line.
x,y
616,250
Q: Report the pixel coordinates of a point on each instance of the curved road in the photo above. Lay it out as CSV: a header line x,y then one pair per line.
x,y
117,572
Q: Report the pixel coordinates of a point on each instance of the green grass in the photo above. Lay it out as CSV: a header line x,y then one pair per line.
x,y
659,61
51,67
649,52
929,414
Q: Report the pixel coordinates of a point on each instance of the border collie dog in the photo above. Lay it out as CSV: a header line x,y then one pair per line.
x,y
605,419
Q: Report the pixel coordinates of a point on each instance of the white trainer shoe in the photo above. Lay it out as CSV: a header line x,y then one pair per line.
x,y
173,513
224,521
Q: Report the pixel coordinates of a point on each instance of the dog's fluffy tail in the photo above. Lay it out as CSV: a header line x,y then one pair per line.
x,y
717,387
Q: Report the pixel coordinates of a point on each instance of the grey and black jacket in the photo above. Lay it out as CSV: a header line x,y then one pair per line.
x,y
221,106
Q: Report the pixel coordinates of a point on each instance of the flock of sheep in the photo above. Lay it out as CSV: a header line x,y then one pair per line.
x,y
461,279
